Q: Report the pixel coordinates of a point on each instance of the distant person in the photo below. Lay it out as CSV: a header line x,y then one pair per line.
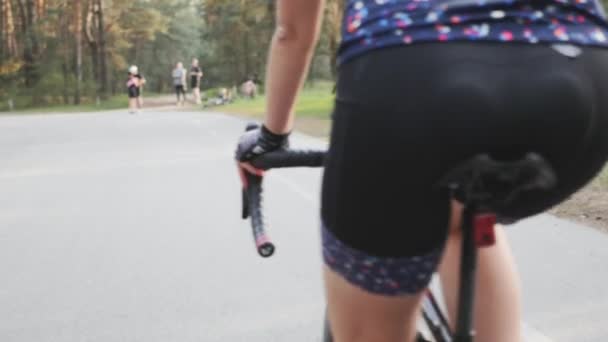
x,y
249,88
196,75
133,83
179,82
224,95
230,94
142,81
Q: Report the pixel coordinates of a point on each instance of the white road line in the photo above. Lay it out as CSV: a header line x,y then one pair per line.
x,y
93,168
293,186
532,335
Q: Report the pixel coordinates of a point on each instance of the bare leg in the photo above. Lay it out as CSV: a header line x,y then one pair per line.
x,y
497,313
359,316
132,104
197,95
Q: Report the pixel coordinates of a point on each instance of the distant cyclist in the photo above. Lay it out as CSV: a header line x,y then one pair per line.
x,y
196,75
179,83
422,87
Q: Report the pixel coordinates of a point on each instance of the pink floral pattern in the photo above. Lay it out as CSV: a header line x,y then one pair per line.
x,y
385,276
371,24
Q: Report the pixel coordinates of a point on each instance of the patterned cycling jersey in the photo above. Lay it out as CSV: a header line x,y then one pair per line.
x,y
372,24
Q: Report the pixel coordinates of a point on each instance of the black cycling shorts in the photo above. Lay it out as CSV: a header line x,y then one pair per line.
x,y
406,116
133,92
194,82
179,90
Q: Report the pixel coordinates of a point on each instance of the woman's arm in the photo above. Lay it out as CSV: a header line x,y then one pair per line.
x,y
292,47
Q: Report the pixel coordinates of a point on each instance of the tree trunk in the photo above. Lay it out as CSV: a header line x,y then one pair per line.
x,y
91,35
65,55
160,82
7,29
3,36
271,10
95,62
78,44
64,68
335,10
31,49
40,8
9,39
235,70
32,19
247,54
103,63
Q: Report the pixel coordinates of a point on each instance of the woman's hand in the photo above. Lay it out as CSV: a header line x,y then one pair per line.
x,y
256,142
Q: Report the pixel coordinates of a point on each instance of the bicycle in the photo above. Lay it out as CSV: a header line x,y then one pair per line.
x,y
483,185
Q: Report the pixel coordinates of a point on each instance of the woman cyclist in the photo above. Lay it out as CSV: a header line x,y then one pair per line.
x,y
423,86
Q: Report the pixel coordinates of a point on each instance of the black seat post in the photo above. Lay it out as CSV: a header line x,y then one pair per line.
x,y
488,188
468,270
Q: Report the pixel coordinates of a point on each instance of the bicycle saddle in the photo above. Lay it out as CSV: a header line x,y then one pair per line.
x,y
492,185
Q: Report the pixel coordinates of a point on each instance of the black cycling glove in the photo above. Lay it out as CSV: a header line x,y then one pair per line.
x,y
258,141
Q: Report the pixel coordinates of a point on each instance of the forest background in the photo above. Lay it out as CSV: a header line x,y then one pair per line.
x,y
78,51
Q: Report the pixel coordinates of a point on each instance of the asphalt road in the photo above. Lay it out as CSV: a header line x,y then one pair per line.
x,y
117,227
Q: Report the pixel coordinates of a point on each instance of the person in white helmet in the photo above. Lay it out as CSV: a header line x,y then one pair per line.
x,y
133,89
140,100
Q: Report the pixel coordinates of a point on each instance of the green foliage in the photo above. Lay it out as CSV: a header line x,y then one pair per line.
x,y
239,33
10,67
152,34
180,42
47,90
